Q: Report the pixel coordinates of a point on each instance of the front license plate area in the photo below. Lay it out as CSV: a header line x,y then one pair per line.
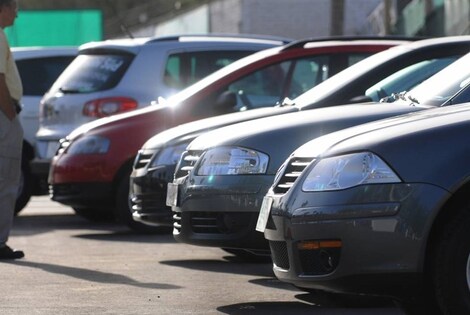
x,y
264,214
172,195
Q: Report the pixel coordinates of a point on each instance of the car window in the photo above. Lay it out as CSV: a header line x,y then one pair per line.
x,y
291,78
262,87
353,58
90,73
270,85
47,68
408,77
184,69
440,87
308,72
463,95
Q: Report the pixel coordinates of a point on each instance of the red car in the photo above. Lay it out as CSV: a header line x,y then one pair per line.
x,y
91,169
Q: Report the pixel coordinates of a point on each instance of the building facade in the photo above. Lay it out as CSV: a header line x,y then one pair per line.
x,y
306,18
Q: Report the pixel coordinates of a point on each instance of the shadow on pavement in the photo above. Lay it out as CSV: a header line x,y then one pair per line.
x,y
92,275
128,236
37,224
262,270
300,308
273,283
268,308
107,231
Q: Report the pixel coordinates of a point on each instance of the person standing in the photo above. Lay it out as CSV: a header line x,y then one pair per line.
x,y
11,132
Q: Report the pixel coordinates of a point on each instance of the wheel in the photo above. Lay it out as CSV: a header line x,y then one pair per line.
x,y
451,269
123,213
94,214
25,187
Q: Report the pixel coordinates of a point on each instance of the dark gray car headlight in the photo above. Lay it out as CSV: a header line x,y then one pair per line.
x,y
345,171
169,155
89,145
232,161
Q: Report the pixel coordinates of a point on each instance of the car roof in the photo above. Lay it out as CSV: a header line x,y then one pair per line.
x,y
131,44
348,40
43,51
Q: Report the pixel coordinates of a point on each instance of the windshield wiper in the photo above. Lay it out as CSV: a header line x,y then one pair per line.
x,y
393,97
413,99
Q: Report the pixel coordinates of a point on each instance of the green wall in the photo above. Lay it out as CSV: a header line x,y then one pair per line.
x,y
55,28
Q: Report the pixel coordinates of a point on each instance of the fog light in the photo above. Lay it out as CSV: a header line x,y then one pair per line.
x,y
319,257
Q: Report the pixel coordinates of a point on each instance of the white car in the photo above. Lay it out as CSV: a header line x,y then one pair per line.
x,y
39,67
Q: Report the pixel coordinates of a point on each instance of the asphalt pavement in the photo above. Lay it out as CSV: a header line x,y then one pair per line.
x,y
74,266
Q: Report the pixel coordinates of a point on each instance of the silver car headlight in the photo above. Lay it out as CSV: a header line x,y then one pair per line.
x,y
169,155
345,171
89,145
232,161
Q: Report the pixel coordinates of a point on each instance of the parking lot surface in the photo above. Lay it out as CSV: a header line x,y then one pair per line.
x,y
73,266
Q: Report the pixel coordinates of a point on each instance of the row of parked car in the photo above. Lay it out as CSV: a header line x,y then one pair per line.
x,y
364,210
96,185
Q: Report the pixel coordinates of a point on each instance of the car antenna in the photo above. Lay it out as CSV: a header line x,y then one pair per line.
x,y
122,25
126,30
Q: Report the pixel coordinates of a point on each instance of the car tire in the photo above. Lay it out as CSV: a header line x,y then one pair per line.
x,y
451,271
123,212
25,188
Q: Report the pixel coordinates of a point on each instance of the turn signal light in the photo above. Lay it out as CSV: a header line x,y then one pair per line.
x,y
109,106
312,245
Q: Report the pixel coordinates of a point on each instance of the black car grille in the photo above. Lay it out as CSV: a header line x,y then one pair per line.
x,y
291,172
186,163
279,254
219,222
148,203
319,261
143,158
204,222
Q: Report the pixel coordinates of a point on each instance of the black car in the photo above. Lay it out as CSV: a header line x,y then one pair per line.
x,y
380,209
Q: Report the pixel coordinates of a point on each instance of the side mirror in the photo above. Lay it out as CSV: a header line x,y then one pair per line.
x,y
226,101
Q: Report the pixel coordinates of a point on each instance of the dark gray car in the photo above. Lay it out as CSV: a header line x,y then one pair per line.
x,y
380,208
216,199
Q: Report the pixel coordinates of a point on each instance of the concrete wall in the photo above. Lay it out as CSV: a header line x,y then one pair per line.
x,y
457,17
292,18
